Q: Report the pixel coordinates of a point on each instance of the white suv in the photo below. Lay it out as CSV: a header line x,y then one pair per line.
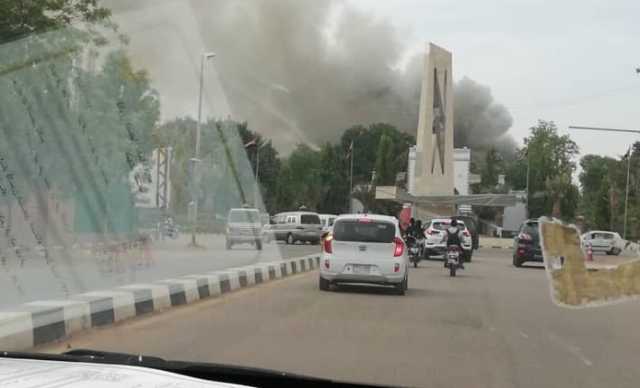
x,y
366,249
435,243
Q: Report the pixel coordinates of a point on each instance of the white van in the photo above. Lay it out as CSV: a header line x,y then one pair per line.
x,y
292,227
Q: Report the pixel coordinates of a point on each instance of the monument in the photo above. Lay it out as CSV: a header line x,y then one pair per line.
x,y
433,172
431,177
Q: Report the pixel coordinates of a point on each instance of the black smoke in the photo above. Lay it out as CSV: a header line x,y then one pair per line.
x,y
292,81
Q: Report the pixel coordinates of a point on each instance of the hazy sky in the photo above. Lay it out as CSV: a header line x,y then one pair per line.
x,y
572,61
569,61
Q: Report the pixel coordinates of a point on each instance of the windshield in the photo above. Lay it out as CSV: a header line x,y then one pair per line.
x,y
247,216
171,172
358,231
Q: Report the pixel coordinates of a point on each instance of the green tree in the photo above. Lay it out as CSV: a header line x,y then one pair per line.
x,y
551,159
20,18
385,171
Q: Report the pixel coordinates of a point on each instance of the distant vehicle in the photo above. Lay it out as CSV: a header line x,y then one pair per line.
x,y
603,241
365,249
527,244
327,221
291,227
472,225
244,226
436,238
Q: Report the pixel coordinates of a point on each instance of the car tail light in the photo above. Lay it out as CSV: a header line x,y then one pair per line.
x,y
466,233
326,264
429,231
399,247
396,267
524,236
326,244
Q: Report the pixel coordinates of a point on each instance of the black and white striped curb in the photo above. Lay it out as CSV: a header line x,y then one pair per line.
x,y
41,322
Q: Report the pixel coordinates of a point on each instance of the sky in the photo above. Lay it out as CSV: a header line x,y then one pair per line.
x,y
572,62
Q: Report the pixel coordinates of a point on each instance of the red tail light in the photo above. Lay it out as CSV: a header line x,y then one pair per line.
x,y
466,233
326,244
399,248
429,231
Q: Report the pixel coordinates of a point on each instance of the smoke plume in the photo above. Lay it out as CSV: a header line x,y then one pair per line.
x,y
305,70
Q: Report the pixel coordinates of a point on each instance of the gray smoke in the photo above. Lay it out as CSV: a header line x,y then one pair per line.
x,y
282,74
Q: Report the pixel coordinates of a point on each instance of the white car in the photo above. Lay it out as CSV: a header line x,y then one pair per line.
x,y
327,220
603,241
435,243
364,249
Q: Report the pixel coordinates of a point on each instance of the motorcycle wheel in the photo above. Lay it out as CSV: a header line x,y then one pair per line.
x,y
415,263
452,270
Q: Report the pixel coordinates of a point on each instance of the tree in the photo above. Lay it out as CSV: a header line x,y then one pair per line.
x,y
551,160
21,18
493,167
385,171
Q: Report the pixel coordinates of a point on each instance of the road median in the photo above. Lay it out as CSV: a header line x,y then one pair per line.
x,y
40,322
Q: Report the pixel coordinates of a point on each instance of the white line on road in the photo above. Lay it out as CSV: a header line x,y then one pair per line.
x,y
575,350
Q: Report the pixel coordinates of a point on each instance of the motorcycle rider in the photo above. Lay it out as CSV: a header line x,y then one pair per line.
x,y
454,237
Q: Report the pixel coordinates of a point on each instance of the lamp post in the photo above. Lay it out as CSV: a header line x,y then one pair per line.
x,y
196,157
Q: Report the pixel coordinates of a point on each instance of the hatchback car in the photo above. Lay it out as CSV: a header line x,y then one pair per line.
x,y
603,241
527,244
435,243
364,249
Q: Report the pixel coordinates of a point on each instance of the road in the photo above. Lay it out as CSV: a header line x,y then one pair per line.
x,y
492,326
63,275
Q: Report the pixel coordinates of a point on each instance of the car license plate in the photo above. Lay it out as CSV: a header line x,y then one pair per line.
x,y
361,269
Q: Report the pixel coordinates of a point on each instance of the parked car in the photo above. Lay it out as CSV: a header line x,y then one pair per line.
x,y
364,249
526,245
603,241
244,226
292,227
326,220
472,225
435,243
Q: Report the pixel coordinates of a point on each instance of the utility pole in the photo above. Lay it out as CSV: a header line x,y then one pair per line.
x,y
196,157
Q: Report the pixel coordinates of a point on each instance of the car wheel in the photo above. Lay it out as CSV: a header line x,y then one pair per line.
x,y
415,263
516,262
315,242
401,287
290,239
259,245
324,284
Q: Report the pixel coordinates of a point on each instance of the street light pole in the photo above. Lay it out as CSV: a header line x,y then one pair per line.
x,y
257,188
196,157
528,182
626,196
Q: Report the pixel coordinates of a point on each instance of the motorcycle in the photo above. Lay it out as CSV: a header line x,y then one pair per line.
x,y
413,249
452,259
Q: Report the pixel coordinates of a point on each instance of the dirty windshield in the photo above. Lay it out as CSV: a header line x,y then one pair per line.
x,y
246,216
170,173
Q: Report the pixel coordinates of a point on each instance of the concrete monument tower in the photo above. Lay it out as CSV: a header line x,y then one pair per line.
x,y
434,173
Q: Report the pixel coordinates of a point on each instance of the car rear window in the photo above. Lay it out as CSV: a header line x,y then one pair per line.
x,y
438,225
249,216
372,231
309,219
603,236
530,228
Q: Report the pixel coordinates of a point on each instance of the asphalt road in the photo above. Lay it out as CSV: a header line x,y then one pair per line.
x,y
66,274
492,326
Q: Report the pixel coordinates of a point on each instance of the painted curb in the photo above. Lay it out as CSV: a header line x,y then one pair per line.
x,y
40,322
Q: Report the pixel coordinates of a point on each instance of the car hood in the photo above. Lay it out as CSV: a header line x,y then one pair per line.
x,y
34,373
